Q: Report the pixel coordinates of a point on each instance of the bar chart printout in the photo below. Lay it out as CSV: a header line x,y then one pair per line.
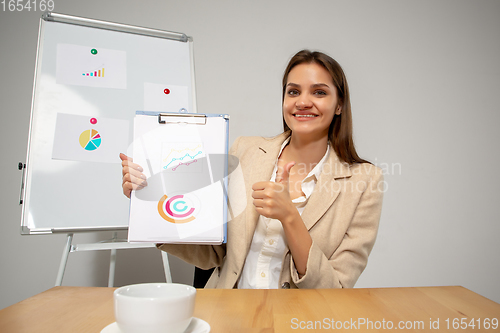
x,y
89,66
95,73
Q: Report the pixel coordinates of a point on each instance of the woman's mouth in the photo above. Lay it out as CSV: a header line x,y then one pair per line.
x,y
307,116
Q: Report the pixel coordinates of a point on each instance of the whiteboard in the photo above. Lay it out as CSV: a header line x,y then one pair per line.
x,y
78,188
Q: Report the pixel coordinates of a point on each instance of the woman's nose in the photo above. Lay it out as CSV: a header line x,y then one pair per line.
x,y
303,102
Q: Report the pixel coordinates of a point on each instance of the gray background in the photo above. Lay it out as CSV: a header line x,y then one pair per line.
x,y
425,82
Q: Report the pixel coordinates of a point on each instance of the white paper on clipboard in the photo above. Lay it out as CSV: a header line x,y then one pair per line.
x,y
186,167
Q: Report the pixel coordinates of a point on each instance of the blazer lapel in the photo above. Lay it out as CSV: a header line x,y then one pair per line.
x,y
326,190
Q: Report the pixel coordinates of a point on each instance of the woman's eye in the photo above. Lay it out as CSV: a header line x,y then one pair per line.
x,y
293,92
320,92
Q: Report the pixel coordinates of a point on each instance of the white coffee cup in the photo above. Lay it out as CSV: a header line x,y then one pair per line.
x,y
154,307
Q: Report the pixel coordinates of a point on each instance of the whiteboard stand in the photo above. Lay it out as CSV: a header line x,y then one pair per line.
x,y
112,244
98,182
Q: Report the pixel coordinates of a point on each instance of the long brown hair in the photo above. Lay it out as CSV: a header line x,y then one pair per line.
x,y
340,130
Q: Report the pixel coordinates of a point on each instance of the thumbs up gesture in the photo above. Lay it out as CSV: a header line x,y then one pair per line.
x,y
272,199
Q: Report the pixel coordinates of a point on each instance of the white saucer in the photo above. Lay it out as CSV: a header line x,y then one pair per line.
x,y
197,326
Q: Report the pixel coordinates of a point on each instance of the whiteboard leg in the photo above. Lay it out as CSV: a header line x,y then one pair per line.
x,y
166,266
112,265
64,260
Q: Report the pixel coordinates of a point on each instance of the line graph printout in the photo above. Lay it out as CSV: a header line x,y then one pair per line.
x,y
91,66
182,157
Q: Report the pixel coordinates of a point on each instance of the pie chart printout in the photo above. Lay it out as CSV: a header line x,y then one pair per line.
x,y
90,139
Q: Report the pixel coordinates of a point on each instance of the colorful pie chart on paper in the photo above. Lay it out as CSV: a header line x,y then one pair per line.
x,y
90,139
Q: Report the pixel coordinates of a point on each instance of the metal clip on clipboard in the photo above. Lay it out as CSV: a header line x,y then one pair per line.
x,y
186,118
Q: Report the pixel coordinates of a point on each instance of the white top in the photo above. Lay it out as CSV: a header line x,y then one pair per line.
x,y
263,262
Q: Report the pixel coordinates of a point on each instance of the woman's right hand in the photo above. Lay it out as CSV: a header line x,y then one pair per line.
x,y
133,178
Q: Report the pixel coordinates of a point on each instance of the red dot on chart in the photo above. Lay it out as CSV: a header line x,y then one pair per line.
x,y
93,121
166,91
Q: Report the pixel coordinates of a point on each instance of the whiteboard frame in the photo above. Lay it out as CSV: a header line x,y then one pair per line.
x,y
91,23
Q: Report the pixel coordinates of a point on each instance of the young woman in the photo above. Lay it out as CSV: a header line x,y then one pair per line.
x,y
312,205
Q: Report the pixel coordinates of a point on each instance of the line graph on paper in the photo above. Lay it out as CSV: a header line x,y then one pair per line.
x,y
182,156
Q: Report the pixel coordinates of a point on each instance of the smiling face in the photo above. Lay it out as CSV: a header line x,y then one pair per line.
x,y
310,101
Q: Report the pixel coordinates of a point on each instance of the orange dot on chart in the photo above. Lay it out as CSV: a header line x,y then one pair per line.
x,y
93,121
166,91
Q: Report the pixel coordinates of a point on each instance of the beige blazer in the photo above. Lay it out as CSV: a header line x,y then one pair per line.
x,y
342,216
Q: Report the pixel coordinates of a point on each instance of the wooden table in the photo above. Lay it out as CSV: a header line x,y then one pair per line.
x,y
86,309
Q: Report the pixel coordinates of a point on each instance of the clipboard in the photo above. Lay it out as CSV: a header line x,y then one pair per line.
x,y
184,157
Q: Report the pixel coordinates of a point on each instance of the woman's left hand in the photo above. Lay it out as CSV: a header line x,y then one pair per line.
x,y
272,199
